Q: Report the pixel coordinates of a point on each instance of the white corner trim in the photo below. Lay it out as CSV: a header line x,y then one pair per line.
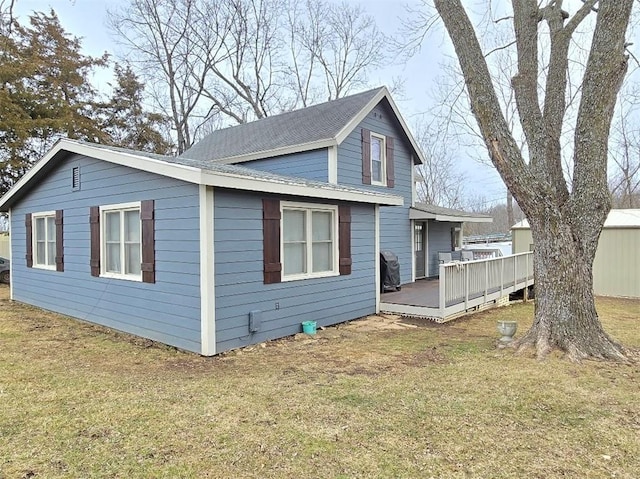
x,y
412,226
207,273
426,248
10,256
377,256
332,157
414,187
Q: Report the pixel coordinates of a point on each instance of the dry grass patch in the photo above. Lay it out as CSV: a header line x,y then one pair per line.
x,y
426,401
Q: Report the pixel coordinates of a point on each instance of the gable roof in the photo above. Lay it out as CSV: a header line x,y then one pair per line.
x,y
318,126
424,211
194,171
615,219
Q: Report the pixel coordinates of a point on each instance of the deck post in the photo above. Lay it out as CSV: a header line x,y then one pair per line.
x,y
486,279
466,286
501,276
443,286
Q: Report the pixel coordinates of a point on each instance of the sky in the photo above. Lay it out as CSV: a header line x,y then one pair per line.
x,y
87,19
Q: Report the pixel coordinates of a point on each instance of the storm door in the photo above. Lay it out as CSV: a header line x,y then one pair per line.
x,y
420,247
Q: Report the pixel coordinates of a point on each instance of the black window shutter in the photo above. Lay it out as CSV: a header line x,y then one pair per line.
x,y
366,156
59,241
390,164
271,241
94,222
344,238
29,235
148,242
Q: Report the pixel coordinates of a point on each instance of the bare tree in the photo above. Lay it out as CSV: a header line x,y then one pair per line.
x,y
171,57
6,16
565,222
625,154
501,223
439,181
210,62
244,83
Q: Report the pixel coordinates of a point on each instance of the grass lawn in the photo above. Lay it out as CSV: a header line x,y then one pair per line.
x,y
420,400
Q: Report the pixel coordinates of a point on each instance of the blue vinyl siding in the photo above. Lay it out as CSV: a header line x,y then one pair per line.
x,y
395,226
312,165
167,311
239,277
439,240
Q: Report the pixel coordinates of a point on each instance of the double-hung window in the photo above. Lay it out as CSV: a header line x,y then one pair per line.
x,y
309,246
121,244
378,164
44,240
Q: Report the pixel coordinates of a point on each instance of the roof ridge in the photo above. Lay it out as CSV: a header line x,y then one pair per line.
x,y
304,108
315,126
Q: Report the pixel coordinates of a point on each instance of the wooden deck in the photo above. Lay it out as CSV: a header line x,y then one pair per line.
x,y
424,292
462,288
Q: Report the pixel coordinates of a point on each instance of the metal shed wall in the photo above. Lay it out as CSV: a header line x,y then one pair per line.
x,y
616,268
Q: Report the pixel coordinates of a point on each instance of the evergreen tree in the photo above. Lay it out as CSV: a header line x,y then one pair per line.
x,y
126,122
45,93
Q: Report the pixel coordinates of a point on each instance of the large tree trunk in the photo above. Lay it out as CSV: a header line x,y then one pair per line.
x,y
566,224
565,316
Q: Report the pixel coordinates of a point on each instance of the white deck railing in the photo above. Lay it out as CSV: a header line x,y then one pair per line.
x,y
467,284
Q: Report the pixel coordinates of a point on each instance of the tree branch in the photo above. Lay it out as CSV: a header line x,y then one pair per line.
x,y
503,149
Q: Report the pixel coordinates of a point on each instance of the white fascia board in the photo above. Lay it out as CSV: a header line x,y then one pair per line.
x,y
287,150
463,219
139,162
355,121
202,177
181,172
420,215
472,219
238,182
415,214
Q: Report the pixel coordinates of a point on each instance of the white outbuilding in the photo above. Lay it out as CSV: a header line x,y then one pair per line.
x,y
616,268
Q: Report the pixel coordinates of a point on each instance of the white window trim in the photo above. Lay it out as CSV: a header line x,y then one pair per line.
x,y
103,249
383,158
34,242
307,207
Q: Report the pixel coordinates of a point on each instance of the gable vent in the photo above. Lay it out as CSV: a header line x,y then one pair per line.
x,y
75,178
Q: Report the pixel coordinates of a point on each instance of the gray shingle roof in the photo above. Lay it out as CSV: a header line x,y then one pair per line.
x,y
308,125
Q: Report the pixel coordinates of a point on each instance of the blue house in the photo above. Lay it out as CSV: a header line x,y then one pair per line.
x,y
253,230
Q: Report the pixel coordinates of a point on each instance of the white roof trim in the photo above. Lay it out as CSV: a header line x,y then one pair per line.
x,y
617,218
227,180
355,121
285,150
415,214
198,176
144,163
